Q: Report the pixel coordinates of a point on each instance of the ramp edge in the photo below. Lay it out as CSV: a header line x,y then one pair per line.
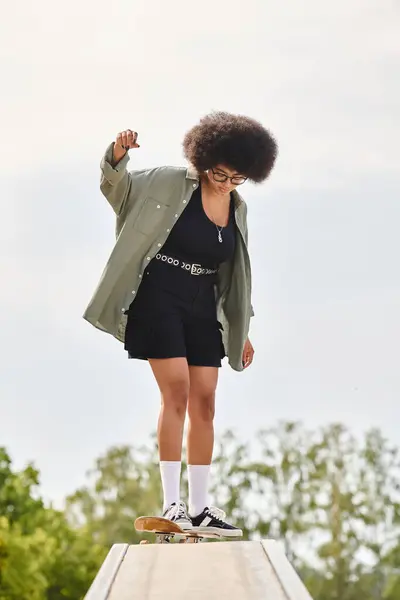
x,y
102,583
290,581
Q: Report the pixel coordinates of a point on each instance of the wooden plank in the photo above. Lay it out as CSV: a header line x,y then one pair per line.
x,y
285,573
101,586
216,571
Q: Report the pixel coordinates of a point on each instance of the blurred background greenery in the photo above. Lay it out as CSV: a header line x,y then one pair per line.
x,y
331,498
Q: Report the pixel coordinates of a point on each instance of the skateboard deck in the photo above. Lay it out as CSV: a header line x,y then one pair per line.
x,y
167,531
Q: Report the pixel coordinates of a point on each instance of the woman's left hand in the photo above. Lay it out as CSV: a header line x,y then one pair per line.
x,y
248,353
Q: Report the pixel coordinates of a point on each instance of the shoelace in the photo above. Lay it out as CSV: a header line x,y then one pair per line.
x,y
179,510
216,513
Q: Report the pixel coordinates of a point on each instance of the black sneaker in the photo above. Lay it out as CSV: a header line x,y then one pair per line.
x,y
177,513
212,520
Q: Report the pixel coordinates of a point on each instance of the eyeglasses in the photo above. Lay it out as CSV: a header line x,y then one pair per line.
x,y
222,177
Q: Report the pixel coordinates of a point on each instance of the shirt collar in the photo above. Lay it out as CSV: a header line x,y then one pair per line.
x,y
191,173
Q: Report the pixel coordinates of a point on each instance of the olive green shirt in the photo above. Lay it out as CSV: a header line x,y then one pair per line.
x,y
147,203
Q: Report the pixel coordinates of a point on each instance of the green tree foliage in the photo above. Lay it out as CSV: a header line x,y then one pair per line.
x,y
41,556
23,561
19,502
125,483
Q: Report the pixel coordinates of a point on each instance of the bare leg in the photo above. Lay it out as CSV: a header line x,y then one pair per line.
x,y
172,376
201,410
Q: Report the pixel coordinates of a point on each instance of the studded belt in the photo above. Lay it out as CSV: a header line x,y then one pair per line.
x,y
192,268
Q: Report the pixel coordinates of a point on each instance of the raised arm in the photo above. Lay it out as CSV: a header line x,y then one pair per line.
x,y
115,180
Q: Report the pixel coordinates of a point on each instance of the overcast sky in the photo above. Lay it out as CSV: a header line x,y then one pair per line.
x,y
324,230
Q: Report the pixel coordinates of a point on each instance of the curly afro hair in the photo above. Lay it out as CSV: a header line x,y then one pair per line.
x,y
236,141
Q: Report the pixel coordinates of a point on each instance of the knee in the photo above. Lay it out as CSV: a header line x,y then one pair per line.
x,y
202,407
175,397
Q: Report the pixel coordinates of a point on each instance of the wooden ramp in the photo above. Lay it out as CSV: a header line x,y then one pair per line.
x,y
227,570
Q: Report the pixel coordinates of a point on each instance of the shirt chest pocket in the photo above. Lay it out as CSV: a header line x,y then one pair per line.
x,y
150,216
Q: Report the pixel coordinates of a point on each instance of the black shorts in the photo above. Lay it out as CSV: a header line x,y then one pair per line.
x,y
174,315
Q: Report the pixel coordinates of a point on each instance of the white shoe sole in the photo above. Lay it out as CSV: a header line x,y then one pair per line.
x,y
185,525
218,531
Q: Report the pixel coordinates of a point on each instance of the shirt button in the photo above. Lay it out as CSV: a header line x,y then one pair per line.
x,y
148,258
184,202
159,245
133,292
140,277
168,230
158,206
194,185
176,216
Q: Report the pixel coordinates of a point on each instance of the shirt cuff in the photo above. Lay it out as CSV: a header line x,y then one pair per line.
x,y
113,174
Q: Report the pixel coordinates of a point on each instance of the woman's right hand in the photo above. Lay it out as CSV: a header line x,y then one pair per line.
x,y
125,140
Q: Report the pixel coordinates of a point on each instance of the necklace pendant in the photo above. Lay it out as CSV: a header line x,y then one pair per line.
x,y
219,237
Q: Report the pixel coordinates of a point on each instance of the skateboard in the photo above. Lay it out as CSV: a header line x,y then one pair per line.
x,y
167,531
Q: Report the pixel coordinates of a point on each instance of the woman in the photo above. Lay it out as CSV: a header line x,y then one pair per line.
x,y
177,287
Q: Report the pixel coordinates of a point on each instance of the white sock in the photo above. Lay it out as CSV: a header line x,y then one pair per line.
x,y
171,481
198,488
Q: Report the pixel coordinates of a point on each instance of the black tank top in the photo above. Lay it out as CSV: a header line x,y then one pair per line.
x,y
194,237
